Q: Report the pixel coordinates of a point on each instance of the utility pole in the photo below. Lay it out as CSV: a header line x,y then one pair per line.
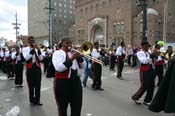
x,y
16,26
50,21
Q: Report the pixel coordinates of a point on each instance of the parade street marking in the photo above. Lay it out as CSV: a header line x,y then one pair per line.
x,y
8,100
89,114
45,89
127,72
12,89
3,78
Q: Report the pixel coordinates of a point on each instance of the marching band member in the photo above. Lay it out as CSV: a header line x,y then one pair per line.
x,y
120,53
33,57
146,76
96,68
18,58
169,54
67,83
8,61
158,63
1,60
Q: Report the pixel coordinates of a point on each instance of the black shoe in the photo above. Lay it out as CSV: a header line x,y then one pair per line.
x,y
38,103
100,89
21,85
32,103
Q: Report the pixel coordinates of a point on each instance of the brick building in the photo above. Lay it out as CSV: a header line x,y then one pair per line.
x,y
113,21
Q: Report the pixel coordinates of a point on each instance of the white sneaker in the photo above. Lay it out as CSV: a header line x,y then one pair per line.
x,y
147,103
138,102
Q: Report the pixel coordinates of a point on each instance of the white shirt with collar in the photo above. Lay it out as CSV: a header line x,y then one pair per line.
x,y
120,50
59,57
27,55
144,57
95,53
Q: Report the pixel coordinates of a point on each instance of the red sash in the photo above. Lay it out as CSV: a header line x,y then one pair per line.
x,y
29,65
159,62
62,75
144,68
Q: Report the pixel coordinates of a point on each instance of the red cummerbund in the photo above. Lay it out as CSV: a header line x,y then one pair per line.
x,y
159,62
120,57
62,75
144,68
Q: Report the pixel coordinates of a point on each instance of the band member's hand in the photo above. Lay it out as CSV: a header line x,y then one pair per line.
x,y
16,54
39,52
32,51
75,55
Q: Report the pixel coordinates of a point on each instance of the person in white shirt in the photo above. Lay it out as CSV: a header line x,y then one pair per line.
x,y
67,83
33,57
96,68
120,54
146,75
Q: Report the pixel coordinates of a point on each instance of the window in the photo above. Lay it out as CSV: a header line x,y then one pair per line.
x,y
65,5
97,5
64,16
55,15
64,11
60,10
91,7
70,6
55,3
81,10
70,12
103,3
60,15
60,4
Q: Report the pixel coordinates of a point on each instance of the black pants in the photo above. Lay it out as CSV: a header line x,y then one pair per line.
x,y
19,73
159,72
120,64
34,83
112,62
129,60
146,85
46,62
4,67
134,61
68,92
97,71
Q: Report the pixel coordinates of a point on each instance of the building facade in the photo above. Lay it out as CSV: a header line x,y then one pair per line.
x,y
113,21
38,20
62,17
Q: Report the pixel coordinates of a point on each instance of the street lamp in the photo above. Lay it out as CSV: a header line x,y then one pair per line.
x,y
143,4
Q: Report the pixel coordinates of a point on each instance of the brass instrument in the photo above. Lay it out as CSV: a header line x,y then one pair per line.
x,y
86,48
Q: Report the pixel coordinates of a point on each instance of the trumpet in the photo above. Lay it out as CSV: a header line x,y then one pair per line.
x,y
86,48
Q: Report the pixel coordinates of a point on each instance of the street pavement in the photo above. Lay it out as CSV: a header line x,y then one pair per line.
x,y
115,100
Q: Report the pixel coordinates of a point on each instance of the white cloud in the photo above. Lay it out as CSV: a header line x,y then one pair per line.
x,y
7,16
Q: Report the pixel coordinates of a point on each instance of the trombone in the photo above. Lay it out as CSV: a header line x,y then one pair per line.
x,y
86,48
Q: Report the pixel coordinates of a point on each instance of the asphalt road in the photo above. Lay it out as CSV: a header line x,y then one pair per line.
x,y
115,100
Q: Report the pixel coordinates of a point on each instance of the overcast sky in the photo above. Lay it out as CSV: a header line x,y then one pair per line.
x,y
8,9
